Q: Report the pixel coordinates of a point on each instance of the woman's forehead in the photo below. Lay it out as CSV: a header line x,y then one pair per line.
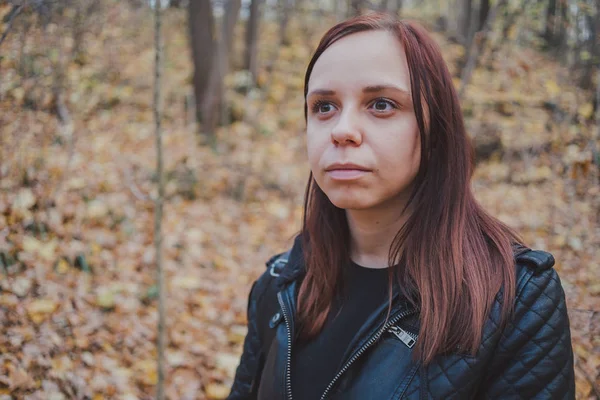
x,y
360,60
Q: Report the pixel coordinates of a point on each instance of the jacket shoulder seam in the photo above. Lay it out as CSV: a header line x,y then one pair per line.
x,y
536,260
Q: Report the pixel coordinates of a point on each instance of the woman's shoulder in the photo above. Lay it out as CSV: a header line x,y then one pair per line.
x,y
536,274
540,308
539,302
535,260
283,267
273,276
535,345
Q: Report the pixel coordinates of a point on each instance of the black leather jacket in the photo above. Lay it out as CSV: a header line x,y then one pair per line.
x,y
531,358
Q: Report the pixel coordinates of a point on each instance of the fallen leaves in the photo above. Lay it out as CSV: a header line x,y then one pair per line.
x,y
77,283
41,309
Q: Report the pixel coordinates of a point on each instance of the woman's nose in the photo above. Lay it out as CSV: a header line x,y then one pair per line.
x,y
347,130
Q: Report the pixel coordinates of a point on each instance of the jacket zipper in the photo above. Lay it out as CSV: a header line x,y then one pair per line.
x,y
364,347
288,376
404,336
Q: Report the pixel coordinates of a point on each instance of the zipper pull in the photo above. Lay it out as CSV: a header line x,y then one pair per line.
x,y
404,336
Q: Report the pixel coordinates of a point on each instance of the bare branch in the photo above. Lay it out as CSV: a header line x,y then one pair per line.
x,y
158,213
476,46
16,10
133,187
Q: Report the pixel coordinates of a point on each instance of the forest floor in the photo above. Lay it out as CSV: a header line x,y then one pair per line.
x,y
78,305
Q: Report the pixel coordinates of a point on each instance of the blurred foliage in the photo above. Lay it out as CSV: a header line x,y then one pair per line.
x,y
77,158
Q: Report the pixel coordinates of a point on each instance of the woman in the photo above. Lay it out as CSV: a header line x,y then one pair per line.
x,y
400,285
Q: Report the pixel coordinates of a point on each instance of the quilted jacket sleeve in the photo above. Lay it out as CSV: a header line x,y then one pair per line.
x,y
534,356
244,385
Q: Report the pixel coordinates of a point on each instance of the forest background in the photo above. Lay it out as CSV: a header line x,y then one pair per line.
x,y
79,187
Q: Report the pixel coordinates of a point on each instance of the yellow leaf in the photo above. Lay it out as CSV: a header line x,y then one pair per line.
x,y
227,362
552,88
62,267
278,210
39,310
237,334
216,391
186,282
512,32
146,372
586,110
44,250
24,200
105,298
97,209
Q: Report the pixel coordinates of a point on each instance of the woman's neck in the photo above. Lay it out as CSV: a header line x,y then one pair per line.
x,y
371,234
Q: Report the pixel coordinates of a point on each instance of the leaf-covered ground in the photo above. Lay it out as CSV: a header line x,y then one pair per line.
x,y
77,288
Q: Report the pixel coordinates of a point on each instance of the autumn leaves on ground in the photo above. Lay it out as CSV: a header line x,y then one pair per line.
x,y
77,282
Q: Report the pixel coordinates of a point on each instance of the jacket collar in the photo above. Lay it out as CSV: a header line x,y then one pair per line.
x,y
295,268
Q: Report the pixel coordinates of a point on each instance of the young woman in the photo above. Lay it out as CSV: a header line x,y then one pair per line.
x,y
399,286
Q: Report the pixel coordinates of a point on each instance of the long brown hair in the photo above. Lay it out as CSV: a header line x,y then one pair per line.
x,y
450,258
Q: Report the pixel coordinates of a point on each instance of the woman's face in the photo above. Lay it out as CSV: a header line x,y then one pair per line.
x,y
362,134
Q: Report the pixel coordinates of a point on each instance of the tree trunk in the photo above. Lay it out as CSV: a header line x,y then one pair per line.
x,y
555,32
549,31
464,20
397,7
158,213
476,47
201,28
483,13
561,40
286,8
337,9
591,46
214,105
251,59
384,6
355,7
595,151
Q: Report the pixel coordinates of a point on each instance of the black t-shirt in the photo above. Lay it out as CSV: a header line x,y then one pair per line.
x,y
315,363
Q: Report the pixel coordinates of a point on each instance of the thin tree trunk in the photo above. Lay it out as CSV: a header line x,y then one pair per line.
x,y
213,105
484,10
355,7
596,151
16,10
592,46
473,27
201,29
550,28
464,21
397,7
598,104
476,47
251,59
232,11
158,212
283,21
562,24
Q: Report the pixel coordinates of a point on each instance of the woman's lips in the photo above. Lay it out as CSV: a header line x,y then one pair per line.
x,y
346,174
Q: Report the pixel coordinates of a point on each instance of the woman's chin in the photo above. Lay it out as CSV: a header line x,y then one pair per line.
x,y
350,203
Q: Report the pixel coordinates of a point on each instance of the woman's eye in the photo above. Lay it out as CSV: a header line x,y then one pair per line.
x,y
322,107
383,105
325,108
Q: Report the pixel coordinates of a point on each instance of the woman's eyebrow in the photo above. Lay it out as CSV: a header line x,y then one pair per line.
x,y
380,88
367,89
322,92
